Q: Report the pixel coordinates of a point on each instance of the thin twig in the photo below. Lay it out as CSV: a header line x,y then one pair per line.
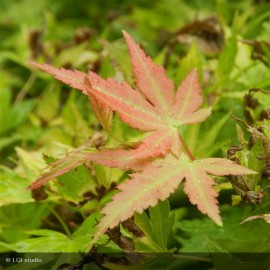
x,y
186,148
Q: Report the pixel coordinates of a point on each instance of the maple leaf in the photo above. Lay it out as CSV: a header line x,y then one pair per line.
x,y
158,159
153,108
158,180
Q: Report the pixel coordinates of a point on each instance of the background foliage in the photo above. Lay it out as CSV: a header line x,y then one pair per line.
x,y
41,119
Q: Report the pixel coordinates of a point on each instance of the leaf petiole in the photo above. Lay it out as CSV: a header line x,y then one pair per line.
x,y
190,155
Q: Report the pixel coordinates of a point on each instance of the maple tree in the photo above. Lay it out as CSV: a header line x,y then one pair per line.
x,y
162,159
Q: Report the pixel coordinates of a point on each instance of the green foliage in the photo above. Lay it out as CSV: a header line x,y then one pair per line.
x,y
41,120
14,227
156,228
227,57
52,241
193,59
197,234
72,188
12,188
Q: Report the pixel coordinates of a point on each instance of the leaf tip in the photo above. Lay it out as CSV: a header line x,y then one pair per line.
x,y
219,222
194,71
125,34
127,37
216,218
36,184
247,171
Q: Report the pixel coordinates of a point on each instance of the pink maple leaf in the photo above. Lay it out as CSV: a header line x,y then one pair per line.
x,y
158,160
